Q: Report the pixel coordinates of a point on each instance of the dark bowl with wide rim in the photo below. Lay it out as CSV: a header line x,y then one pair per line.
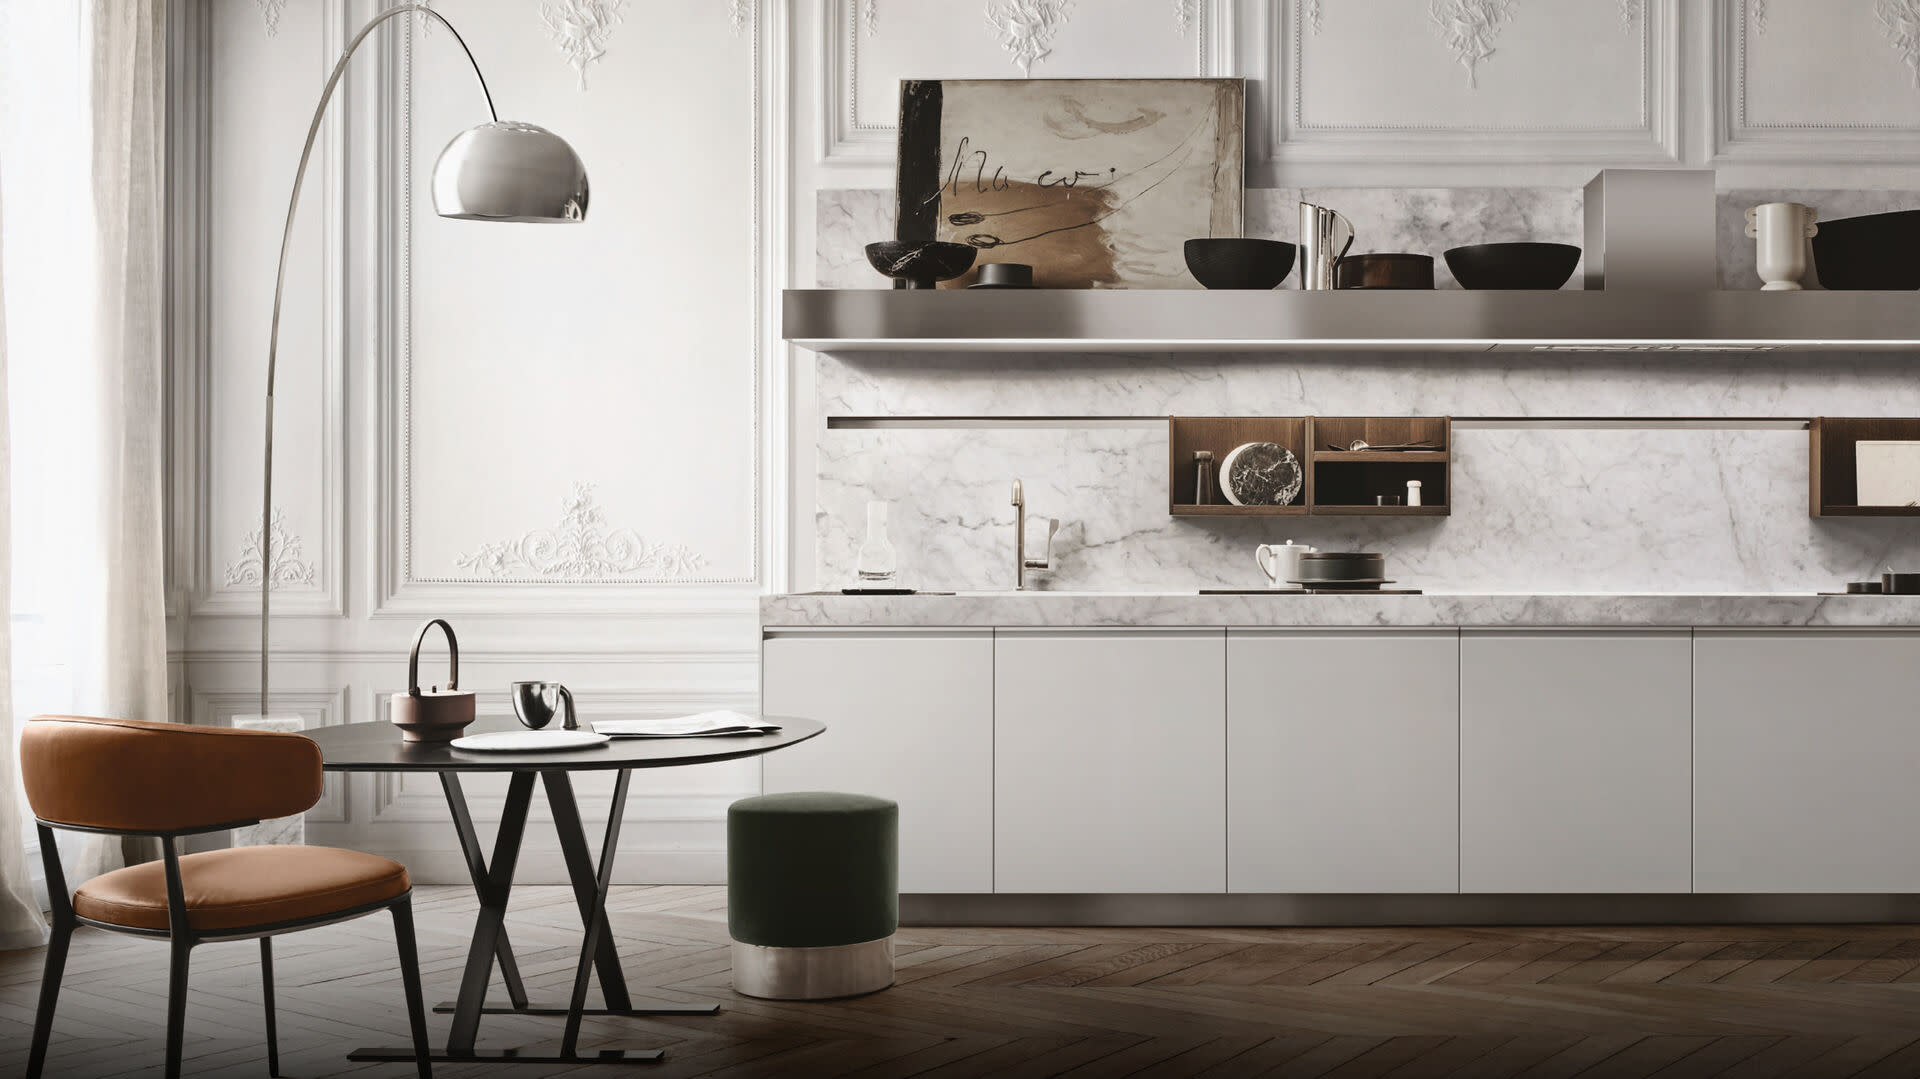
x,y
1232,262
1878,251
920,263
1513,266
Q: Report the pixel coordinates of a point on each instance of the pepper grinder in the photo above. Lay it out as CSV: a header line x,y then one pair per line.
x,y
1413,492
1203,477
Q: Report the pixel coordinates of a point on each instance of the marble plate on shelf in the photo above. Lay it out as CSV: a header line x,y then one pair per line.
x,y
1261,474
530,741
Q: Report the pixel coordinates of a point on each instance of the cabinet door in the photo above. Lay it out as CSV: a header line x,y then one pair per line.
x,y
1343,762
909,717
1805,745
1110,761
1575,768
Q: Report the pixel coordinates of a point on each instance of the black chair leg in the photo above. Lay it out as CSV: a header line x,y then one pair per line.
x,y
410,976
49,994
176,1002
266,996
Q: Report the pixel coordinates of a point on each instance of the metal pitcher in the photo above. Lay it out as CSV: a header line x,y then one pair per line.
x,y
1321,244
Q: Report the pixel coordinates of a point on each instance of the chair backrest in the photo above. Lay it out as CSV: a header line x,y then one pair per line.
x,y
127,775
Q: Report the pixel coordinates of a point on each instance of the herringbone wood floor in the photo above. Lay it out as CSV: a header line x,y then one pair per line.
x,y
1472,1003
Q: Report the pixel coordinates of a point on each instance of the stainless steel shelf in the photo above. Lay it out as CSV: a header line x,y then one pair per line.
x,y
857,320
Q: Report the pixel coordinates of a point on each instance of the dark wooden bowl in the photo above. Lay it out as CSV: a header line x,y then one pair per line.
x,y
1380,270
1238,263
1878,251
1513,265
920,263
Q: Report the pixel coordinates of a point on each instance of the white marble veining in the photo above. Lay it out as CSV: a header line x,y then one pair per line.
x,y
280,831
1482,610
1541,510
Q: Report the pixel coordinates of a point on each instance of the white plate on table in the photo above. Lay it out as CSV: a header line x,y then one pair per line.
x,y
530,741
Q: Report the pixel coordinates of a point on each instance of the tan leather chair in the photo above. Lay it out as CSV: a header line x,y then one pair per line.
x,y
126,777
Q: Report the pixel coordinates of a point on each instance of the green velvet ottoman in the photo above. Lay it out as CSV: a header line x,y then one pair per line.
x,y
813,894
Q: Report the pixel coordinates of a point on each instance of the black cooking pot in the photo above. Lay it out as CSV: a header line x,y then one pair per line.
x,y
1334,567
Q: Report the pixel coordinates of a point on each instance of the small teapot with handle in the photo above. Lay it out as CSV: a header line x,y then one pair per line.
x,y
1281,561
434,714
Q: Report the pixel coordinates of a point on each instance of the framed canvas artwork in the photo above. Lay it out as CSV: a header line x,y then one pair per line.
x,y
1095,183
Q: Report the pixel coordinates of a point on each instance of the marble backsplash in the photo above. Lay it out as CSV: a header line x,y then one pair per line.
x,y
1704,488
1427,220
1706,491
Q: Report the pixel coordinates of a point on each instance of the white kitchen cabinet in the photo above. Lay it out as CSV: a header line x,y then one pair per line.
x,y
1805,751
1343,761
909,717
1110,761
1575,762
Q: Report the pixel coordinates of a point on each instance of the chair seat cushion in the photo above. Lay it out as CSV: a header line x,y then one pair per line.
x,y
244,887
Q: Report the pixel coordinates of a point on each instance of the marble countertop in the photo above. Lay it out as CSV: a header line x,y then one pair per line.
x,y
1484,610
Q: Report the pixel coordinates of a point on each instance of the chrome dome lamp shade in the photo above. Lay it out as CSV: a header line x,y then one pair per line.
x,y
510,171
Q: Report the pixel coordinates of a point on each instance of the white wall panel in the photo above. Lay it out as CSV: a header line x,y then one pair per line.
x,y
1818,81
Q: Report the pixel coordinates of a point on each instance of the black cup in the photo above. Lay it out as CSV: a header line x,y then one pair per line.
x,y
1004,275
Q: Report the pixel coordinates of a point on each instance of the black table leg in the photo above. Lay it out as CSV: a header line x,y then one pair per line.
x,y
489,936
477,872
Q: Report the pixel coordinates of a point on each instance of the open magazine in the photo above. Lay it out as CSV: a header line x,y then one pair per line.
x,y
704,725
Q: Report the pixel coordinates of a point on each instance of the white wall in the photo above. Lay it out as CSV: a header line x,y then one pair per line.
x,y
446,385
554,436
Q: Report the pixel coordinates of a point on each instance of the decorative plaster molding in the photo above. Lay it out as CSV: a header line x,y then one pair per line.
x,y
870,16
270,14
1758,10
1827,141
580,548
1184,12
1026,28
1902,21
739,13
1630,11
1314,16
289,568
580,28
1469,28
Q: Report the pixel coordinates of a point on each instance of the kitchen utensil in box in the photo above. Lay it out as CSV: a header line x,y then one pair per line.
x,y
433,714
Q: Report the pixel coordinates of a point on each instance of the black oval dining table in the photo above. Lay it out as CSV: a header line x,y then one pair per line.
x,y
377,747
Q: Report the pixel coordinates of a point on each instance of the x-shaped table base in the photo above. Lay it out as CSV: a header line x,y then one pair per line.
x,y
494,882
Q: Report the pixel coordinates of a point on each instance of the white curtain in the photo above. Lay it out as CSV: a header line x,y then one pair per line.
x,y
82,107
20,923
126,44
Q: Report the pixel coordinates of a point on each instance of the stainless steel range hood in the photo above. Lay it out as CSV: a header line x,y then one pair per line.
x,y
843,320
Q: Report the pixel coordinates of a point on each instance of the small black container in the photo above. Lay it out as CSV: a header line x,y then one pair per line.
x,y
1900,584
1239,263
1532,266
1004,275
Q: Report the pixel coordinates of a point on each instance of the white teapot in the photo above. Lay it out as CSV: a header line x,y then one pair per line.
x,y
1281,561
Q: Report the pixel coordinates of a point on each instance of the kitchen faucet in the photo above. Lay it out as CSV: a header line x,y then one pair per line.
x,y
1021,563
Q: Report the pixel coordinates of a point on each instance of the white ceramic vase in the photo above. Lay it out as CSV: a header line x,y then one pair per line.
x,y
1780,231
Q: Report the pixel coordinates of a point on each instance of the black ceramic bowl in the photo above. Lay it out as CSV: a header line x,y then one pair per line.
x,y
1237,263
920,263
1513,266
1879,251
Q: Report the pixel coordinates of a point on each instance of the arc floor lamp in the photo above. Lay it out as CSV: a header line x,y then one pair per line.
x,y
501,170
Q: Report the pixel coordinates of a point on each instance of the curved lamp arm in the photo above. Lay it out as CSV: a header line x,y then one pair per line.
x,y
279,286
